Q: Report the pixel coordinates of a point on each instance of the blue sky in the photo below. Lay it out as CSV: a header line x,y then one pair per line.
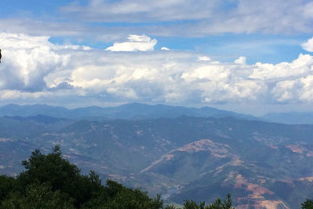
x,y
218,53
256,46
13,8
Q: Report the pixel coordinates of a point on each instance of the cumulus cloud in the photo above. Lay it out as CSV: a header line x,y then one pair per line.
x,y
283,71
36,70
241,60
134,43
180,78
165,48
204,58
308,45
26,60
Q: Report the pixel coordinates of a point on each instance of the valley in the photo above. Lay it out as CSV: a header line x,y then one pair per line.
x,y
261,164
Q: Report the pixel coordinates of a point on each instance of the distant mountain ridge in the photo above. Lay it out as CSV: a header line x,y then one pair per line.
x,y
135,111
127,111
290,117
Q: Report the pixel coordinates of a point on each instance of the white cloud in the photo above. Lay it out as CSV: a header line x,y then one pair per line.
x,y
178,78
204,58
308,45
134,43
26,60
36,70
165,48
300,67
241,61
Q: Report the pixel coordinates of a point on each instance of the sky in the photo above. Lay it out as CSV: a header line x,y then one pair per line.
x,y
251,56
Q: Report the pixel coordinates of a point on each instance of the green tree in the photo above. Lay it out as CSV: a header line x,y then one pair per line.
x,y
7,185
308,204
37,197
52,182
116,196
217,204
189,204
170,207
222,204
52,169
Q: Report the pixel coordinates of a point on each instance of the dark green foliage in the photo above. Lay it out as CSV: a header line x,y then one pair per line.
x,y
58,173
308,204
217,204
7,185
37,197
189,204
52,182
117,196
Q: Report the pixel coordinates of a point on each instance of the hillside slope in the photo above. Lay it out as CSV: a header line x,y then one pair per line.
x,y
261,164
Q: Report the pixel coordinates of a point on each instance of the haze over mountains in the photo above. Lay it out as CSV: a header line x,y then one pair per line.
x,y
127,111
290,117
144,111
182,153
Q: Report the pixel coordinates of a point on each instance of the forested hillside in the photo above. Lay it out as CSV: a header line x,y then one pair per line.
x,y
52,182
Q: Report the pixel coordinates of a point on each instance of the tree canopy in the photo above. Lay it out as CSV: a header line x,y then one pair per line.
x,y
308,204
50,181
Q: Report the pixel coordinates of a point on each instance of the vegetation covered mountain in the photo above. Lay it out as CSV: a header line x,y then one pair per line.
x,y
52,182
261,164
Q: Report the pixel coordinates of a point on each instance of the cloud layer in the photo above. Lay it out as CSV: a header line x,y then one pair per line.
x,y
106,20
134,43
203,17
35,70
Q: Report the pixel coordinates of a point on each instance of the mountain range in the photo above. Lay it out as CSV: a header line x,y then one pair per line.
x,y
290,117
145,111
181,153
127,111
